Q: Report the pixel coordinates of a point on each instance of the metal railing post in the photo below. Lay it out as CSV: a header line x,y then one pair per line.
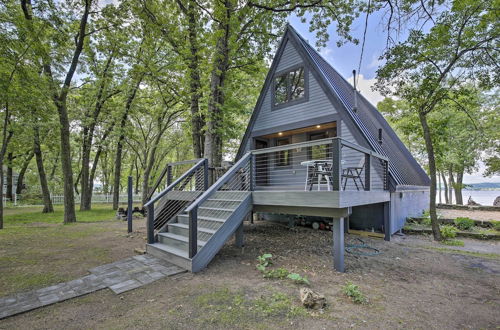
x,y
150,224
129,204
169,175
336,164
193,232
368,170
251,171
205,174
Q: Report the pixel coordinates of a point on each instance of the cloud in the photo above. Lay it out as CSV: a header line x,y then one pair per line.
x,y
364,86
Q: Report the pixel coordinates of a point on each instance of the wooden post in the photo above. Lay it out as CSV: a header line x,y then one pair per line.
x,y
129,206
338,244
336,165
239,236
193,232
387,221
151,223
368,170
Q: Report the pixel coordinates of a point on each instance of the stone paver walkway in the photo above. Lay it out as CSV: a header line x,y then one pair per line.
x,y
120,276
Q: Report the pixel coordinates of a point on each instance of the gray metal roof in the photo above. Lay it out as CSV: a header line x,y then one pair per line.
x,y
403,168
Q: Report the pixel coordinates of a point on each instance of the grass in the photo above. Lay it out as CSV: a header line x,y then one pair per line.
x,y
462,252
453,242
228,308
38,250
28,215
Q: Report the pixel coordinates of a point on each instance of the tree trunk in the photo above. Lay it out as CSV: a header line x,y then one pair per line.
x,y
119,145
432,171
451,184
439,185
6,136
446,200
66,166
47,203
213,137
10,176
88,138
458,187
54,167
197,120
22,172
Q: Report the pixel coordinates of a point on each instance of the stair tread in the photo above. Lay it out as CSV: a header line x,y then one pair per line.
x,y
180,238
200,217
225,200
216,208
202,229
171,249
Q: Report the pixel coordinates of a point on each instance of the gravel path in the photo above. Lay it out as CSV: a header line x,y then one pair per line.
x,y
473,214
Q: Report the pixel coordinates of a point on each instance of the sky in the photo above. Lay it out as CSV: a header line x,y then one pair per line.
x,y
346,58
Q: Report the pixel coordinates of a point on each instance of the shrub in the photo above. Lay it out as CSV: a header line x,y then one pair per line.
x,y
496,224
426,217
448,231
351,290
464,223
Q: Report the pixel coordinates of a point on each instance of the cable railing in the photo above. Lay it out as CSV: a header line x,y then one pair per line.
x,y
173,199
323,165
210,210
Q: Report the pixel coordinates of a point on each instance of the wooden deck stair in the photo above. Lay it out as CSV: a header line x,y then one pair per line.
x,y
218,218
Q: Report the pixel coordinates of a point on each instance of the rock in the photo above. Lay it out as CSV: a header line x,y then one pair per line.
x,y
497,201
311,299
139,251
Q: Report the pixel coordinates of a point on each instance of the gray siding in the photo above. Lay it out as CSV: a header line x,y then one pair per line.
x,y
318,104
407,203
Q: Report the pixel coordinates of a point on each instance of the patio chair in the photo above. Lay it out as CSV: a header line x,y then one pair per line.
x,y
320,171
354,173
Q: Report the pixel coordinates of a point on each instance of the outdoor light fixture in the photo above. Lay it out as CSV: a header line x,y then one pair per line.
x,y
318,126
280,133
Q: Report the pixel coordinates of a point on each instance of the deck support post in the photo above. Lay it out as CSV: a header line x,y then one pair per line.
x,y
387,221
239,236
338,244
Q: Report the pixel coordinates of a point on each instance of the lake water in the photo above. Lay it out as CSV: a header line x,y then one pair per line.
x,y
483,197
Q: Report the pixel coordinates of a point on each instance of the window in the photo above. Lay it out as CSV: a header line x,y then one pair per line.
x,y
289,86
283,157
321,151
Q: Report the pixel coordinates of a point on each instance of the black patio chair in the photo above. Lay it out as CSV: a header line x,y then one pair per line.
x,y
354,173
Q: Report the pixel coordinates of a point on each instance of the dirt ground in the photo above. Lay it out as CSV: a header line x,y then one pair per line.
x,y
472,214
413,283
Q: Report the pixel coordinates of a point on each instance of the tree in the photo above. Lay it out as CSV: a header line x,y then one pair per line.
x,y
430,68
60,92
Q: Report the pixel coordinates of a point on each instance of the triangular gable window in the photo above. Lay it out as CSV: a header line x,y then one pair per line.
x,y
289,87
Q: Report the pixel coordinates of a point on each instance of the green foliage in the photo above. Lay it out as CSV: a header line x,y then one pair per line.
x,y
278,273
496,224
448,231
264,261
297,278
453,242
464,223
351,290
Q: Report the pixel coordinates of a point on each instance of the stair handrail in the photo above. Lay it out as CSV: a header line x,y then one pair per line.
x,y
192,209
166,171
150,204
219,183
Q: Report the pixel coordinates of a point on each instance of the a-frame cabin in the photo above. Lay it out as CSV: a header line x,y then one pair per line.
x,y
313,147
